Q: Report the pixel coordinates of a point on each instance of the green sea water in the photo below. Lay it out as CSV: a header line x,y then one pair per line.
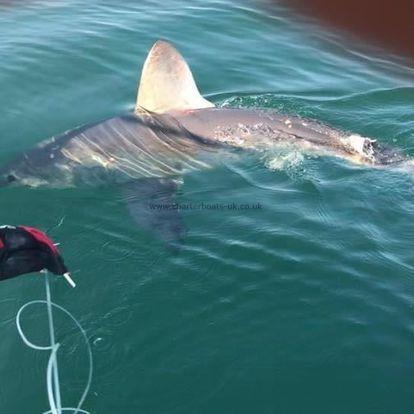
x,y
303,306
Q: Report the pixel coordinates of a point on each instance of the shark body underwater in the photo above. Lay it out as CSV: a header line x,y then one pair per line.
x,y
144,152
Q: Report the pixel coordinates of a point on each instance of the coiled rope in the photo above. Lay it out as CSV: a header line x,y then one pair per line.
x,y
52,372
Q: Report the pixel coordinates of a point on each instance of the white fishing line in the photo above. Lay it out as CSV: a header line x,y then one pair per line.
x,y
52,372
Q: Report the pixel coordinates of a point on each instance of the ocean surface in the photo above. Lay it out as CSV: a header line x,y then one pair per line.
x,y
305,305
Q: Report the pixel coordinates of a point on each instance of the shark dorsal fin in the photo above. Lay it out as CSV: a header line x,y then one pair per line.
x,y
167,83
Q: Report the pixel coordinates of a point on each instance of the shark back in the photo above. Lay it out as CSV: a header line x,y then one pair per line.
x,y
117,150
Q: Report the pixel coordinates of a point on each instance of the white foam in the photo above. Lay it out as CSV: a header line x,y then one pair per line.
x,y
284,161
357,143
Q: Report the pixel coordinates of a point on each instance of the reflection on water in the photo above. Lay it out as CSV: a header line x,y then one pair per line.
x,y
303,305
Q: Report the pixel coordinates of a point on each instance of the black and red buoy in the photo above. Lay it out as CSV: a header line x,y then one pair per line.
x,y
26,250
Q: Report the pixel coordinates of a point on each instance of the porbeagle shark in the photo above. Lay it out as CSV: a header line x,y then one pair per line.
x,y
145,152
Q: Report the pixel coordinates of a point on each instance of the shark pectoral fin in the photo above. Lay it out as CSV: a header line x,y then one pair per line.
x,y
151,203
167,83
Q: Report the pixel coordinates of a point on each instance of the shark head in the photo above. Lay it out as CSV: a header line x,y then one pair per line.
x,y
9,174
7,179
17,175
167,84
29,169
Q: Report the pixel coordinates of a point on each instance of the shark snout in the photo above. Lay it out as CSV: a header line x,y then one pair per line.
x,y
7,179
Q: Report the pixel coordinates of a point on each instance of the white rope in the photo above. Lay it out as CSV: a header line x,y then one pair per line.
x,y
52,372
55,390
